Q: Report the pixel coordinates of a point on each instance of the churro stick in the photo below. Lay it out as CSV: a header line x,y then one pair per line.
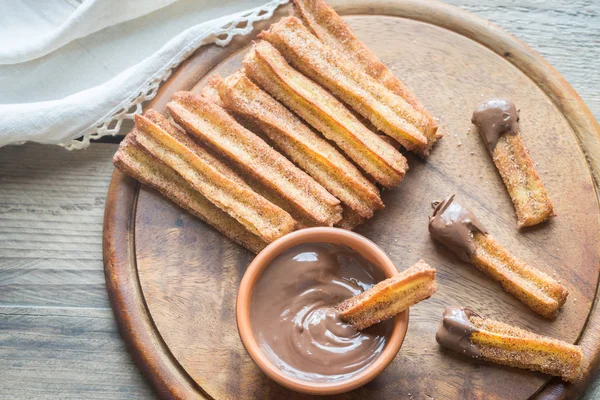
x,y
389,297
459,230
210,123
211,92
131,159
497,122
302,145
330,28
214,180
350,219
475,336
266,66
273,196
386,110
539,291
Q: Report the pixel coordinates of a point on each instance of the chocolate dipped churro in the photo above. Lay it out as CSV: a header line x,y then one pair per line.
x,y
389,297
460,231
301,144
330,28
498,123
210,123
265,66
472,335
386,110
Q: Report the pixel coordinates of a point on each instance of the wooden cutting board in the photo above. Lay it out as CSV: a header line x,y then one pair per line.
x,y
173,280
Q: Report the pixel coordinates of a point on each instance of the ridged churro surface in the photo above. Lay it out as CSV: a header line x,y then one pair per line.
x,y
386,110
460,230
389,297
330,28
302,145
211,124
266,67
471,334
497,121
522,181
539,291
215,181
140,165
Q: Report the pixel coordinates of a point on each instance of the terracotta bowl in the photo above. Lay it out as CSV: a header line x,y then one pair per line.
x,y
369,251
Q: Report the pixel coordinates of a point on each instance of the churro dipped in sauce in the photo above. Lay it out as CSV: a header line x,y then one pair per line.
x,y
460,231
473,335
494,118
453,225
294,319
455,332
497,121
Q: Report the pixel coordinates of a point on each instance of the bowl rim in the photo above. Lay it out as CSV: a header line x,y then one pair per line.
x,y
367,249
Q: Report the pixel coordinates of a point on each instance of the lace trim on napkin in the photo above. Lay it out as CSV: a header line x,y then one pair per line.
x,y
132,105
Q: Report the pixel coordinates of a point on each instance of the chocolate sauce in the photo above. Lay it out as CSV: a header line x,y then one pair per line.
x,y
293,317
495,118
453,225
455,332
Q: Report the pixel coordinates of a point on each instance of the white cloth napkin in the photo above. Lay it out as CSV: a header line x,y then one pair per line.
x,y
30,29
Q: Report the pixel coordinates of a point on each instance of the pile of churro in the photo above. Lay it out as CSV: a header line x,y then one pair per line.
x,y
279,145
306,133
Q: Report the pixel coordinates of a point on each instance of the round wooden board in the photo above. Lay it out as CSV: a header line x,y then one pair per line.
x,y
173,280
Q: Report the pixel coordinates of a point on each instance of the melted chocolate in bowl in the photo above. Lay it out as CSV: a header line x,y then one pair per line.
x,y
294,320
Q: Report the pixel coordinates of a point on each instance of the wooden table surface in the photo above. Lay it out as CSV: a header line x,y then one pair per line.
x,y
58,338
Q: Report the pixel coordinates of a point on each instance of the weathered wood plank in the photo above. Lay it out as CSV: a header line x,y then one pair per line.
x,y
58,337
51,209
65,353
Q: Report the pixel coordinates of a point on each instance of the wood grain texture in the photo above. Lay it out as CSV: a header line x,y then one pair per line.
x,y
189,274
58,337
50,221
65,353
564,32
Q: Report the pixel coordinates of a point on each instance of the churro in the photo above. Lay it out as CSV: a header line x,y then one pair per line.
x,y
210,91
498,123
322,20
210,123
266,66
213,179
302,145
350,219
470,334
458,229
389,297
131,159
387,111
